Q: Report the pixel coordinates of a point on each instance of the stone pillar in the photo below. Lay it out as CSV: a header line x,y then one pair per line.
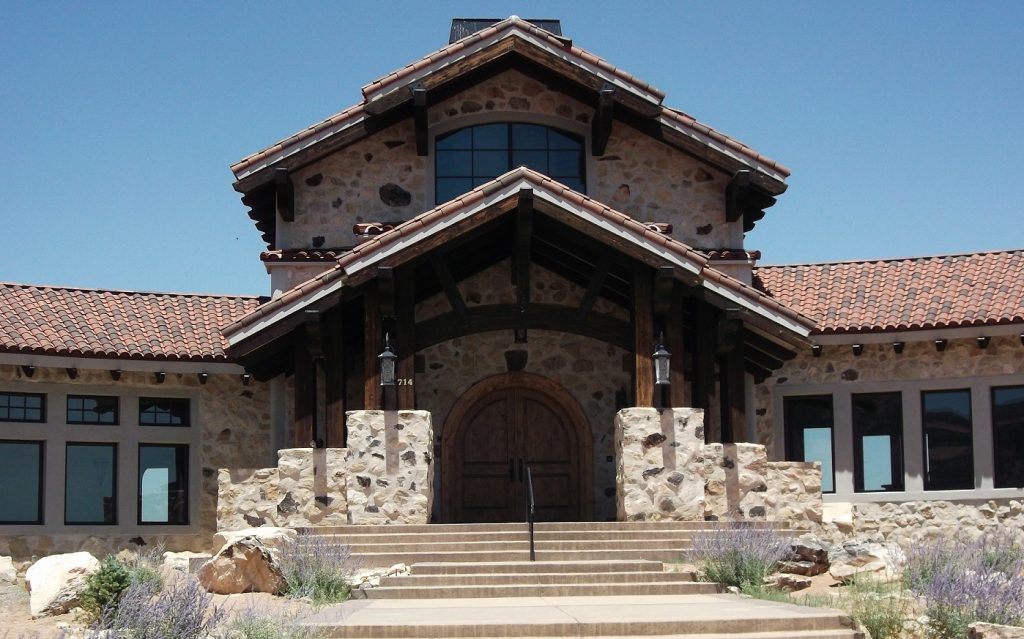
x,y
736,482
390,467
659,468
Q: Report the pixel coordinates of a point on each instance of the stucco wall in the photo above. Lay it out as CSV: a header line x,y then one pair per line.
x,y
233,432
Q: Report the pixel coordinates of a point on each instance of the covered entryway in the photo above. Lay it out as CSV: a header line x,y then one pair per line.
x,y
497,429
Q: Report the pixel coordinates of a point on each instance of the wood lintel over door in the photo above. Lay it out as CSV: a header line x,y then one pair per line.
x,y
335,434
643,331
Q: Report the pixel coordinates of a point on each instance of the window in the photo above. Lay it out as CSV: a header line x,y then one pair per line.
x,y
163,484
877,442
22,407
469,157
948,446
92,409
163,411
90,484
809,424
21,482
1008,436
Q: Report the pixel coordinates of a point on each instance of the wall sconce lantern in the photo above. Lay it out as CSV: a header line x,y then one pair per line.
x,y
387,363
661,363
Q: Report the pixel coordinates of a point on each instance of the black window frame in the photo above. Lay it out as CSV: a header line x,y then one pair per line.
x,y
794,446
42,408
999,445
187,502
83,422
41,519
897,462
928,484
187,421
113,488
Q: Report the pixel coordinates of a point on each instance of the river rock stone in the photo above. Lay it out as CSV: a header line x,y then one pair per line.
x,y
882,561
55,582
243,566
274,538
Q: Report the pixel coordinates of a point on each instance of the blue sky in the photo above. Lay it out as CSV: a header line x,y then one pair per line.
x,y
902,122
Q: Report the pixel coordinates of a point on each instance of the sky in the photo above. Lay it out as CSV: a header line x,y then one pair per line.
x,y
901,121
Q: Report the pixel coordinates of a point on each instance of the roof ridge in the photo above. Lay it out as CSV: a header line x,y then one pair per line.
x,y
87,289
912,258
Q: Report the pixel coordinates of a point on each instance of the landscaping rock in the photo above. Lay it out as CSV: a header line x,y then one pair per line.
x,y
246,565
184,561
992,631
790,583
271,537
805,568
370,578
8,574
55,582
882,561
808,557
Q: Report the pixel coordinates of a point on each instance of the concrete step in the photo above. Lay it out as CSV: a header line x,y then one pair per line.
x,y
537,578
541,546
380,559
520,526
541,590
506,536
785,634
535,567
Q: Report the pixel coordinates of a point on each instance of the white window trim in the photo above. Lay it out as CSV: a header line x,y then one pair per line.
x,y
913,444
128,434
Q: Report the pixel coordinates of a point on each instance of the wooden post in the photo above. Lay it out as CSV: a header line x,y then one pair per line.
x,y
643,331
373,344
732,380
703,382
674,336
405,342
335,435
304,391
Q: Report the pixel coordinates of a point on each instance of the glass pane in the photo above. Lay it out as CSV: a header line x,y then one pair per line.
x,y
565,163
818,448
558,140
459,140
163,411
21,407
529,136
490,136
451,188
163,484
536,160
21,466
877,454
91,410
490,164
89,484
454,163
878,441
1008,434
948,446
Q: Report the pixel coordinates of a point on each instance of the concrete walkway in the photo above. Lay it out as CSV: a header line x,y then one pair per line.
x,y
577,617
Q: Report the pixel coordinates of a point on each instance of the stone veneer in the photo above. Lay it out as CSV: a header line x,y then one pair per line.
x,y
735,482
794,493
234,423
384,476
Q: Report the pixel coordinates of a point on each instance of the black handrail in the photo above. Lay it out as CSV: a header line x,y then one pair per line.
x,y
530,507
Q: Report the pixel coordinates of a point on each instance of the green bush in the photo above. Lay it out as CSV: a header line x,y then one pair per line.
x,y
741,555
251,625
104,588
315,568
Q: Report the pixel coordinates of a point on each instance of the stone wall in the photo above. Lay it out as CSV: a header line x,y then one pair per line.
x,y
234,431
794,493
735,482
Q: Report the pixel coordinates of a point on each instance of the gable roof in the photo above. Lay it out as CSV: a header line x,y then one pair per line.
x,y
512,35
555,198
78,322
947,291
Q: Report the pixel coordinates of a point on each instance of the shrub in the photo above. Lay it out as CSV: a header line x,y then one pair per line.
x,y
104,587
251,625
966,581
315,568
180,611
740,556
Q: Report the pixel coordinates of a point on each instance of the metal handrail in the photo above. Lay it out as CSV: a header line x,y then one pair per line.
x,y
530,507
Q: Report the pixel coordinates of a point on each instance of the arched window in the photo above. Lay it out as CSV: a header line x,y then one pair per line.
x,y
469,157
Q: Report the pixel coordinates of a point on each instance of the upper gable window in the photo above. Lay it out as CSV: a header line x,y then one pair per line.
x,y
469,157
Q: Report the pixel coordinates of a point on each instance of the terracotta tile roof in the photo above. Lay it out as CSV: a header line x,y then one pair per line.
x,y
903,294
692,123
50,320
303,255
461,203
731,254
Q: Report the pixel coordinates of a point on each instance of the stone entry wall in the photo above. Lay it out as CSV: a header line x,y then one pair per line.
x,y
384,476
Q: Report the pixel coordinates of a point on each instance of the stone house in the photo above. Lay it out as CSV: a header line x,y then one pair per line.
x,y
505,259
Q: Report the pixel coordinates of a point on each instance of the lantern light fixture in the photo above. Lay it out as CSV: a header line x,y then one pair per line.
x,y
661,363
387,363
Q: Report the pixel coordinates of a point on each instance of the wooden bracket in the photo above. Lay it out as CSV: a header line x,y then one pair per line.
x,y
451,289
601,127
595,286
744,199
524,231
284,194
730,334
419,117
664,285
386,290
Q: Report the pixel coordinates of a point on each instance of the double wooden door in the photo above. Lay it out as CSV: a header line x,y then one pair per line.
x,y
497,433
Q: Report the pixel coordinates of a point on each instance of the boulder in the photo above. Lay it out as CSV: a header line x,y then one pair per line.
x,y
808,556
992,631
370,578
880,561
55,582
246,565
7,572
185,561
805,568
790,583
271,537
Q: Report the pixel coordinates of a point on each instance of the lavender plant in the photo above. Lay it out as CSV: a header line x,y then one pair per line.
x,y
250,624
314,567
965,581
741,555
183,610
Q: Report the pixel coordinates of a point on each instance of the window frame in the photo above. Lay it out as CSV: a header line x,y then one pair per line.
x,y
896,453
187,489
188,411
790,441
41,502
114,484
996,440
42,408
68,409
929,485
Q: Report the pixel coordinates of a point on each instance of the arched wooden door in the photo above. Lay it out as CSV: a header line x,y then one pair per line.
x,y
498,428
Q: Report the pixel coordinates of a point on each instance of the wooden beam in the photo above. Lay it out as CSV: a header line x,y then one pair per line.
x,y
643,340
732,368
335,434
386,290
304,391
405,340
451,290
284,195
419,117
730,330
601,127
703,382
521,256
676,346
595,286
664,285
373,344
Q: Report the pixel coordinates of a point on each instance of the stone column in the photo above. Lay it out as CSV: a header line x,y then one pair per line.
x,y
736,482
390,467
659,467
